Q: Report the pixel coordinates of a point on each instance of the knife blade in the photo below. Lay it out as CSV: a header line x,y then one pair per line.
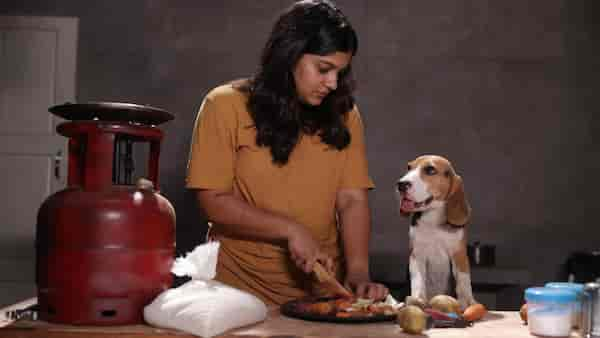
x,y
330,282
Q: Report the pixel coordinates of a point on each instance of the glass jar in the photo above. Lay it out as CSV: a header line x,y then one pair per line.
x,y
591,310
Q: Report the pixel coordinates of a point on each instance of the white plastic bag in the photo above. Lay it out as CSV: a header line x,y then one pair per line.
x,y
202,306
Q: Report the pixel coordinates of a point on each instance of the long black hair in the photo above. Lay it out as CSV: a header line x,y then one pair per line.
x,y
313,27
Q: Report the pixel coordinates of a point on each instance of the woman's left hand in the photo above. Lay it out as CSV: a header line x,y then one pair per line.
x,y
363,287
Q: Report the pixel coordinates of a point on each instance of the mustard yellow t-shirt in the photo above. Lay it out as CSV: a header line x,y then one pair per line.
x,y
224,155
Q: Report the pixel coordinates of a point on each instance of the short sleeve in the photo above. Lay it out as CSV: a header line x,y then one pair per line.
x,y
356,172
212,150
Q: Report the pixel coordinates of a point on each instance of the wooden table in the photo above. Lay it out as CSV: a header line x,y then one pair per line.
x,y
496,324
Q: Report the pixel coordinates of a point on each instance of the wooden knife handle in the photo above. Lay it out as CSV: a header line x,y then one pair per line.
x,y
320,272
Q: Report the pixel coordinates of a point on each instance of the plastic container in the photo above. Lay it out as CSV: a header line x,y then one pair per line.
x,y
550,311
577,310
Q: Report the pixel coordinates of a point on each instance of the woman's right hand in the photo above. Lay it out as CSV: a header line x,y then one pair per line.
x,y
305,250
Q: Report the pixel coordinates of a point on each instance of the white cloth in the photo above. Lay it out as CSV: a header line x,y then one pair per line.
x,y
202,306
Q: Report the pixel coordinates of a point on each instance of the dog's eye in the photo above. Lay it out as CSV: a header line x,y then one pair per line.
x,y
409,168
430,170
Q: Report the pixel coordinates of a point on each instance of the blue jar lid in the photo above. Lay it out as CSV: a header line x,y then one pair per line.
x,y
546,294
577,287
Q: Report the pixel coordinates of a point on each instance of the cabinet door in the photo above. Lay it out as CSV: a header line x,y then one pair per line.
x,y
37,67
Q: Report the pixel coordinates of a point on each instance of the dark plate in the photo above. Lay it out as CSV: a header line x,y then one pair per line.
x,y
294,309
112,111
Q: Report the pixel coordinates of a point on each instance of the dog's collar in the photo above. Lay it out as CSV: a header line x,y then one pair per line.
x,y
455,226
415,218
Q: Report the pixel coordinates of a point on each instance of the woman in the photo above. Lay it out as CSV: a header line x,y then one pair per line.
x,y
279,166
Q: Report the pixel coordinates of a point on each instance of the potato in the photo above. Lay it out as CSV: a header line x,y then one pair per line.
x,y
412,319
474,312
523,313
445,304
412,300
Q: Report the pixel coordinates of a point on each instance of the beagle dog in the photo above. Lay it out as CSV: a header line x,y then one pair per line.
x,y
432,195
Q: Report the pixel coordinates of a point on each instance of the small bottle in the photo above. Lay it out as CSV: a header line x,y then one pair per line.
x,y
591,310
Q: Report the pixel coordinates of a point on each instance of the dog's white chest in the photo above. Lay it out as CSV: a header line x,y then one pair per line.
x,y
432,249
429,238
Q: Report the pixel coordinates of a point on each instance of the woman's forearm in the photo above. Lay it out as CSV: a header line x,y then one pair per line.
x,y
236,217
354,216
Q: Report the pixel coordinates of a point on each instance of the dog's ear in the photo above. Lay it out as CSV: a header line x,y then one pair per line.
x,y
458,210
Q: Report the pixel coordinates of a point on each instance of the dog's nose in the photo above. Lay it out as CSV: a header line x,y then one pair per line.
x,y
403,186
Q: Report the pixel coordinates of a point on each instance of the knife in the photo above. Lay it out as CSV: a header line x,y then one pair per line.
x,y
329,281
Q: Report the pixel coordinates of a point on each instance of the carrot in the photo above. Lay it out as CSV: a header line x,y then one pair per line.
x,y
322,308
474,312
343,314
343,303
523,313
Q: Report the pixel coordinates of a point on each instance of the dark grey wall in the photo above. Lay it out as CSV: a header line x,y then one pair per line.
x,y
506,89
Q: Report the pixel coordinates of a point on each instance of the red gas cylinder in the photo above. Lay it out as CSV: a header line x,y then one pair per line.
x,y
105,245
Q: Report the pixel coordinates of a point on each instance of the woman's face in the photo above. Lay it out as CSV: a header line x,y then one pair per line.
x,y
316,76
